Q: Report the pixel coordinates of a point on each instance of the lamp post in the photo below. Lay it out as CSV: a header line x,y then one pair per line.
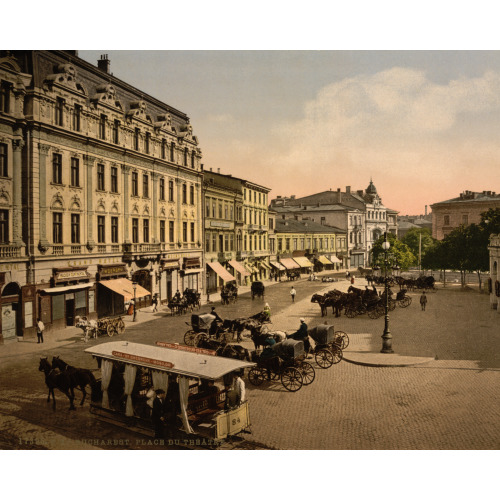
x,y
386,337
134,286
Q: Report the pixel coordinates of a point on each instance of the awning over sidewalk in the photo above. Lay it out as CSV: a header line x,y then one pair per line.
x,y
125,287
303,262
265,265
289,264
335,260
60,289
238,267
251,269
277,265
323,260
221,271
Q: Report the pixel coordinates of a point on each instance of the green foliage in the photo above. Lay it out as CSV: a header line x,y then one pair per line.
x,y
400,253
412,240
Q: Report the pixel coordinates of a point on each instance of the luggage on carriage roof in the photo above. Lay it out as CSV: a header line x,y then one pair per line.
x,y
289,349
322,334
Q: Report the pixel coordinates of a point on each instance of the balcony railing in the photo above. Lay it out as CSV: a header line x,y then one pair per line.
x,y
9,251
142,247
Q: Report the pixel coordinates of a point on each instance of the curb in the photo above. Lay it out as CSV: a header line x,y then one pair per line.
x,y
384,360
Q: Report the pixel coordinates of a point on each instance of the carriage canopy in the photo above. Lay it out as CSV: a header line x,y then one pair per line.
x,y
322,334
201,321
289,349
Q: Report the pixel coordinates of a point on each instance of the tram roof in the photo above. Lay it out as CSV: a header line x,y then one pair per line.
x,y
189,364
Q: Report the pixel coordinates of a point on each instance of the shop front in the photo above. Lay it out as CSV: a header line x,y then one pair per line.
x,y
191,274
240,272
279,269
115,295
10,319
304,263
217,276
169,279
109,303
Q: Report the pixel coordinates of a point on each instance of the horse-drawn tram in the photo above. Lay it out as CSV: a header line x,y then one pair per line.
x,y
200,399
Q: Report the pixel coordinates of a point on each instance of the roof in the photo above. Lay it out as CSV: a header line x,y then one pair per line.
x,y
315,208
191,364
299,226
472,197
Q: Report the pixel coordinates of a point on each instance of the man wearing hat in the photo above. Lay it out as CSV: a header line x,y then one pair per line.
x,y
302,334
157,415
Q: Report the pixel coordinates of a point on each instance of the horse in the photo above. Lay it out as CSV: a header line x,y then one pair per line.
x,y
54,379
224,349
89,327
79,377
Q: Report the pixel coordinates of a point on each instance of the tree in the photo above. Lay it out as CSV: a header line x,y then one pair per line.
x,y
401,253
418,239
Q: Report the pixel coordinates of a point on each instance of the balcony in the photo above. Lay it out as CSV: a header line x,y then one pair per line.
x,y
225,256
133,251
10,251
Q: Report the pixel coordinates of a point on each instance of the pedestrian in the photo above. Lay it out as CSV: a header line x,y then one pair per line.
x,y
155,303
40,327
423,300
347,275
303,335
352,280
293,293
157,415
267,312
239,389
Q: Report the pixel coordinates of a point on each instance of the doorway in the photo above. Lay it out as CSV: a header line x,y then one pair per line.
x,y
70,312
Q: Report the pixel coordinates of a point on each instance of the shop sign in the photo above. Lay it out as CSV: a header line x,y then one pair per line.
x,y
112,270
186,348
143,359
71,275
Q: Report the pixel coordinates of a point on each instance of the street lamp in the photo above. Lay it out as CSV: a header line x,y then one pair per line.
x,y
134,286
387,337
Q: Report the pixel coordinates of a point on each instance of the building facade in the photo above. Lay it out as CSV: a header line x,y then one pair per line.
x,y
103,183
464,210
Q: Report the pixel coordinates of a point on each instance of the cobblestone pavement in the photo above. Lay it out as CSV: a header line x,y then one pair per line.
x,y
450,403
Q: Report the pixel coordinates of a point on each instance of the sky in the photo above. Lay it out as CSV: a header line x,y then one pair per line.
x,y
422,124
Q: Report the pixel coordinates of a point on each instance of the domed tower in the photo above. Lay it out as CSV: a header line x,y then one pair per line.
x,y
371,189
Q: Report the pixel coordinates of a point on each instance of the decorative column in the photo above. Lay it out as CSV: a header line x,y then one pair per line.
x,y
126,213
89,161
43,244
17,214
154,222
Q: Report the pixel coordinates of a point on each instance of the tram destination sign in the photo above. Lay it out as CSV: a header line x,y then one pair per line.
x,y
143,359
186,348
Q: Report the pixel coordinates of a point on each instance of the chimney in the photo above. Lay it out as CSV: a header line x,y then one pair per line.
x,y
218,170
426,210
348,189
202,166
360,192
104,63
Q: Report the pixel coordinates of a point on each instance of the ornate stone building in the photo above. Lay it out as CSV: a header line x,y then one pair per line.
x,y
101,185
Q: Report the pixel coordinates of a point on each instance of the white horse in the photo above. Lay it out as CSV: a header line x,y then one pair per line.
x,y
89,327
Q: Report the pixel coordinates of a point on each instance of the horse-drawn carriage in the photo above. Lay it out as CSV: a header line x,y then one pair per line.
x,y
229,293
205,327
283,361
293,275
257,289
190,300
328,345
104,326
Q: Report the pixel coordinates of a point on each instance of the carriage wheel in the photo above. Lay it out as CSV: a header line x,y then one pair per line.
x,y
341,339
405,302
292,379
110,329
200,337
256,376
392,305
189,337
350,312
373,313
337,354
324,358
120,326
308,372
226,336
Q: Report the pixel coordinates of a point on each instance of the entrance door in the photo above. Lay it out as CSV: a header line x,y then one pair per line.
x,y
169,290
70,312
8,321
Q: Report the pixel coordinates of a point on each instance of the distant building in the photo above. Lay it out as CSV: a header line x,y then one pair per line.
x,y
464,210
407,222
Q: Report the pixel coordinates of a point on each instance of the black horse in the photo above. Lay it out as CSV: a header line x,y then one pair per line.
x,y
79,377
224,349
55,379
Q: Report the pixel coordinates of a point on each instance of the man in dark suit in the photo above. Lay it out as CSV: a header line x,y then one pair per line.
x,y
157,415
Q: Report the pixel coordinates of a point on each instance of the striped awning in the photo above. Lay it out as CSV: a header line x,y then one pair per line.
x,y
277,265
265,265
239,267
125,287
251,269
289,264
221,271
324,260
303,262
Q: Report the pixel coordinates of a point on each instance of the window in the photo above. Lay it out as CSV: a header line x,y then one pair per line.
x,y
260,198
116,131
102,127
226,211
171,230
162,231
192,159
135,230
4,226
145,186
185,157
184,231
191,195
114,229
4,171
59,112
145,230
77,118
220,210
302,243
207,208
192,232
162,188
100,177
271,223
295,243
136,139
255,196
226,242
184,193
465,219
57,228
135,184
147,142
75,228
170,190
114,179
231,213
57,168
213,209
100,229
75,172
5,97
446,220
163,149
207,243
172,152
